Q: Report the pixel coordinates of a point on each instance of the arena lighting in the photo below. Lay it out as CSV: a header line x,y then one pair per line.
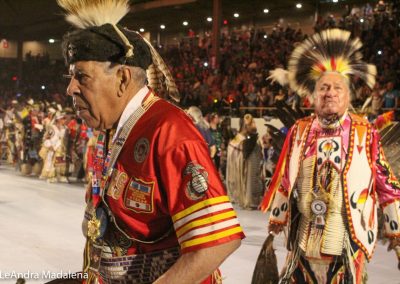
x,y
379,52
266,11
335,1
205,64
209,19
236,15
162,27
52,40
298,5
141,30
43,87
185,23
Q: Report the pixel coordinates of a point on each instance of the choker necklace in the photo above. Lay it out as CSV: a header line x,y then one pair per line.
x,y
331,123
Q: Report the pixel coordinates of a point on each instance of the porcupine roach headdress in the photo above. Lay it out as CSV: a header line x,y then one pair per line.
x,y
100,38
331,50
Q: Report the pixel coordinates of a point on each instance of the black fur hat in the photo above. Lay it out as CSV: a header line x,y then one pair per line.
x,y
104,44
100,38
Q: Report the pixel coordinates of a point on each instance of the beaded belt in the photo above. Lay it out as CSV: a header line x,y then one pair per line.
x,y
139,268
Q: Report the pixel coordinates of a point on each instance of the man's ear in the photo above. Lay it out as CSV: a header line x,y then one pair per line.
x,y
124,79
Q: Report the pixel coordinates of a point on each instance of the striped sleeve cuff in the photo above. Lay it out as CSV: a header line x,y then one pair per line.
x,y
206,222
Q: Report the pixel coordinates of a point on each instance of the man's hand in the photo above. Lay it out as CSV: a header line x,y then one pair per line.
x,y
275,228
395,245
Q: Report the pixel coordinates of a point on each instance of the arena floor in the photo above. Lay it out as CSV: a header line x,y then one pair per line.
x,y
41,234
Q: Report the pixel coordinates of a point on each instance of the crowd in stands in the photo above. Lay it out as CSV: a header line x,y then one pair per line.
x,y
42,80
379,30
246,58
33,109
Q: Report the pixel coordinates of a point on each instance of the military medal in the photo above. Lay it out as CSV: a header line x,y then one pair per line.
x,y
93,228
96,221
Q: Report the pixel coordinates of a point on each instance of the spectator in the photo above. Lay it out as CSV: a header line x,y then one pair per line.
x,y
293,99
390,97
376,99
202,125
216,134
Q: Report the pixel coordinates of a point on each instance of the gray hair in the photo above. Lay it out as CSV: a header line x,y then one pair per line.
x,y
197,116
139,75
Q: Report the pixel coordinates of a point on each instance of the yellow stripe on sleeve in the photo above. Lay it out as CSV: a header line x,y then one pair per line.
x,y
205,221
198,206
212,237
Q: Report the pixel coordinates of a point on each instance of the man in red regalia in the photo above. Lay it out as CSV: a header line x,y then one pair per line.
x,y
157,211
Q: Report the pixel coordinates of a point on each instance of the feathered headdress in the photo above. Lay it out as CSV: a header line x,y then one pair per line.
x,y
280,76
331,50
100,38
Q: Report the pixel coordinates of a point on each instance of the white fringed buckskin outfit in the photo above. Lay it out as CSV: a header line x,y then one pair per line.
x,y
331,176
357,182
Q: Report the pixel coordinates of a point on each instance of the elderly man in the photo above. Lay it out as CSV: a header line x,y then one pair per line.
x,y
157,211
332,173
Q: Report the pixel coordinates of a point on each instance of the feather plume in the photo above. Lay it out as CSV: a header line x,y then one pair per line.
x,y
384,120
154,78
279,75
331,50
158,72
366,104
94,13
